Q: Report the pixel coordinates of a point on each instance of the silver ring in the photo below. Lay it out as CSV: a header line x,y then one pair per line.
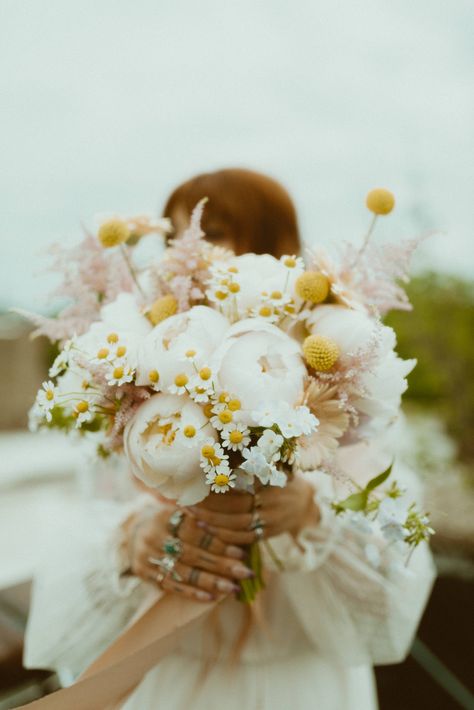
x,y
167,564
259,532
175,521
257,521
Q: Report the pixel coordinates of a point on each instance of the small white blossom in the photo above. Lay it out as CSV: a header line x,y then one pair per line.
x,y
236,437
46,399
119,375
270,444
221,482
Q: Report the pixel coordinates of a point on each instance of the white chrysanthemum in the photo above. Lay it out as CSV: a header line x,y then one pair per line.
x,y
261,363
213,458
163,350
46,399
221,482
235,437
158,456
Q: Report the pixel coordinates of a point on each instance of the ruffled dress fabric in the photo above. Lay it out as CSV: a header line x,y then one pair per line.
x,y
319,626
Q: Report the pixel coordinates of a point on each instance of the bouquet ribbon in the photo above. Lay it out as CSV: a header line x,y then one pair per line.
x,y
107,682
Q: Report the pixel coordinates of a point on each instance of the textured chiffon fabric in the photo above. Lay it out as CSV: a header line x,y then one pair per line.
x,y
310,643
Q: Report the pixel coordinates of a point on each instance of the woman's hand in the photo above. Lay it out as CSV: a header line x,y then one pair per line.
x,y
279,510
205,565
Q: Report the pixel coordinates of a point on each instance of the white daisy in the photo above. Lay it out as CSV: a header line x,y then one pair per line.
x,y
221,482
223,420
119,374
46,399
180,384
83,413
291,261
235,437
213,457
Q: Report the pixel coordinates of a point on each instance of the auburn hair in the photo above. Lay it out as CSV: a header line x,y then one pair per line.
x,y
251,210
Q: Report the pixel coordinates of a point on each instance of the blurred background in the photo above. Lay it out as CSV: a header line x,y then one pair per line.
x,y
107,105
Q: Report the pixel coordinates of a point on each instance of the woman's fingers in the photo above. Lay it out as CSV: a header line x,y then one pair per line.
x,y
234,537
212,583
171,585
221,566
231,521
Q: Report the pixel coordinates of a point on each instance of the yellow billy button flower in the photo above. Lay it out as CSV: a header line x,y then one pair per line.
x,y
221,480
163,308
113,232
225,416
208,451
82,407
102,353
380,201
205,373
189,431
181,380
112,338
312,286
234,405
320,353
236,436
121,350
154,376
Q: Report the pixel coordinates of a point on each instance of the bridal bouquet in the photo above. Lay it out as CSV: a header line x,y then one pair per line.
x,y
212,372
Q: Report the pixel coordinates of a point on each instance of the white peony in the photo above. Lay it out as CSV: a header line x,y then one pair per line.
x,y
158,453
382,381
164,350
258,363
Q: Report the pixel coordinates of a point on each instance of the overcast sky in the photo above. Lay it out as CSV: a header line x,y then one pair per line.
x,y
107,104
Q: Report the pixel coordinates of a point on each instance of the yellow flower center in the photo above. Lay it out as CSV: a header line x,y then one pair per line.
x,y
49,395
380,201
189,431
224,282
312,286
113,232
221,295
235,437
265,311
234,405
82,407
225,416
221,480
163,308
121,350
289,308
181,380
290,262
118,373
276,294
154,376
208,410
234,288
102,353
233,270
320,353
208,451
190,353
112,338
85,384
205,373
223,397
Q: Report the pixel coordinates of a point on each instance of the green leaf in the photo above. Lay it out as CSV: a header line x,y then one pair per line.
x,y
356,501
378,480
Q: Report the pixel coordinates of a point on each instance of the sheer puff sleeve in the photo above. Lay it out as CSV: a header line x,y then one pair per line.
x,y
356,598
81,599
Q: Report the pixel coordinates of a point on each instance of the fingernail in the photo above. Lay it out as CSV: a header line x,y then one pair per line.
x,y
224,585
204,596
202,524
236,552
242,572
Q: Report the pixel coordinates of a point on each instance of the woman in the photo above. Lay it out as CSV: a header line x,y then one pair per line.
x,y
322,621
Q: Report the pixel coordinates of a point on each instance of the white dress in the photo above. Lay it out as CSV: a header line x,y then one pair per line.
x,y
327,619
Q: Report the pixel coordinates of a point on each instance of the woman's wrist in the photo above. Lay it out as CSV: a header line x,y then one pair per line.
x,y
311,514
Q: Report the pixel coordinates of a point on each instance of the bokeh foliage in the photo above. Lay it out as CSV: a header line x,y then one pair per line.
x,y
439,332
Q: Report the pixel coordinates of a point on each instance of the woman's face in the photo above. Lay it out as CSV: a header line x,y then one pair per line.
x,y
217,231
